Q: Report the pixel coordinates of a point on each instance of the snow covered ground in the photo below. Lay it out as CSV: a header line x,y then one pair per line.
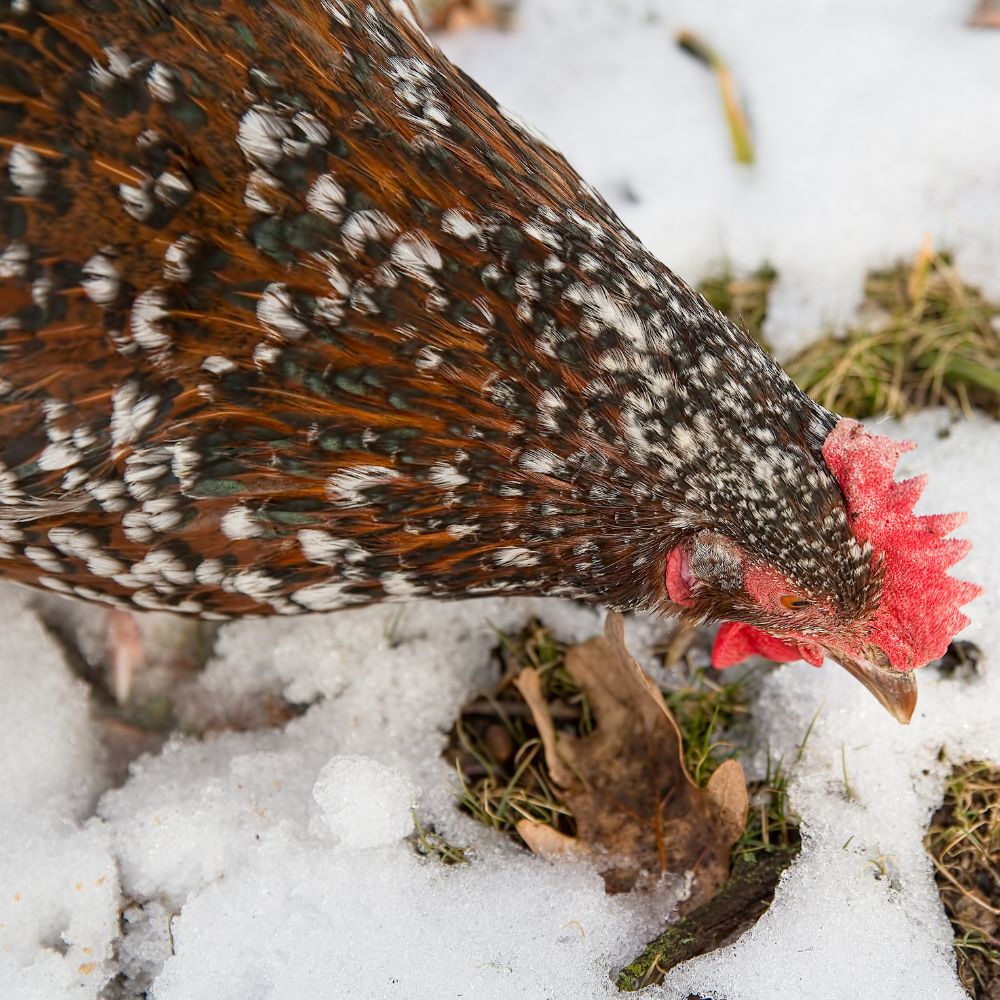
x,y
271,863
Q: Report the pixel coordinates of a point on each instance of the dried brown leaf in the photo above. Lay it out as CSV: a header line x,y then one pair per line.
x,y
727,789
546,842
530,686
638,813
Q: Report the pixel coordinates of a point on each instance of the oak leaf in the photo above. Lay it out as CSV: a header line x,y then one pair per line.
x,y
638,812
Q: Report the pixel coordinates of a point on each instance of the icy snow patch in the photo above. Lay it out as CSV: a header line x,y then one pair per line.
x,y
58,885
364,803
282,848
306,920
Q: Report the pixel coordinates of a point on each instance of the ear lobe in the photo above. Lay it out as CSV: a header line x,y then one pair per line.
x,y
680,578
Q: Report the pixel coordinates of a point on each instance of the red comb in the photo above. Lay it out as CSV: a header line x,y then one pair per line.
x,y
919,609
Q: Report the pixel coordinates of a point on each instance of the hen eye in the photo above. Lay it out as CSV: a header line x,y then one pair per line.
x,y
795,603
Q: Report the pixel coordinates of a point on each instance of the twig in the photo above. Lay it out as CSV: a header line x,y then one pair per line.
x,y
738,906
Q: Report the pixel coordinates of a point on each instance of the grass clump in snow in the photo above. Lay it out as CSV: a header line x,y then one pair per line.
x,y
428,843
926,339
498,752
496,748
713,711
964,843
772,827
502,779
706,711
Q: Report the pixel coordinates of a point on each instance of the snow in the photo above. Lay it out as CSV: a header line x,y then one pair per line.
x,y
59,894
364,803
303,920
870,121
277,857
271,861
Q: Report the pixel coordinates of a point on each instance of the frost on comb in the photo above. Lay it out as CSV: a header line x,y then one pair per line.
x,y
919,611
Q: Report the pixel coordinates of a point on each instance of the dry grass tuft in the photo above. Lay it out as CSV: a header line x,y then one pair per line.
x,y
496,748
929,339
428,843
964,843
925,339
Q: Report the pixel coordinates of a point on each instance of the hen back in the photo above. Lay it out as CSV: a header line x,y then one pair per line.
x,y
295,317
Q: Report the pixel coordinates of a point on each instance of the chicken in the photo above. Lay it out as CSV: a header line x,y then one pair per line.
x,y
296,318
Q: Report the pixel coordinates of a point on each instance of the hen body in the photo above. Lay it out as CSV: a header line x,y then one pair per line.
x,y
294,317
297,318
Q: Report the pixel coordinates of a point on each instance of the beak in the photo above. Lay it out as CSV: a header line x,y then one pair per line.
x,y
895,689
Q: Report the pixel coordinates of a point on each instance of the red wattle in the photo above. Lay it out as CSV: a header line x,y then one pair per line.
x,y
735,641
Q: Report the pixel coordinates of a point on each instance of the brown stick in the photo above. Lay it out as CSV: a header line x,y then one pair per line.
x,y
740,904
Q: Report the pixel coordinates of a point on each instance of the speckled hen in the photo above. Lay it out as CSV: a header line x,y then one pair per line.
x,y
294,317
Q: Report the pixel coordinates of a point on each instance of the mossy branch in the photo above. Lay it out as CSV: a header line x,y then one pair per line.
x,y
740,904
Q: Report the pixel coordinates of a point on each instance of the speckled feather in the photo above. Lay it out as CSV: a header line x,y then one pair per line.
x,y
295,317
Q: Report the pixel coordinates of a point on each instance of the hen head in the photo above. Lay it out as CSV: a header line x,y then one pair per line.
x,y
896,609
